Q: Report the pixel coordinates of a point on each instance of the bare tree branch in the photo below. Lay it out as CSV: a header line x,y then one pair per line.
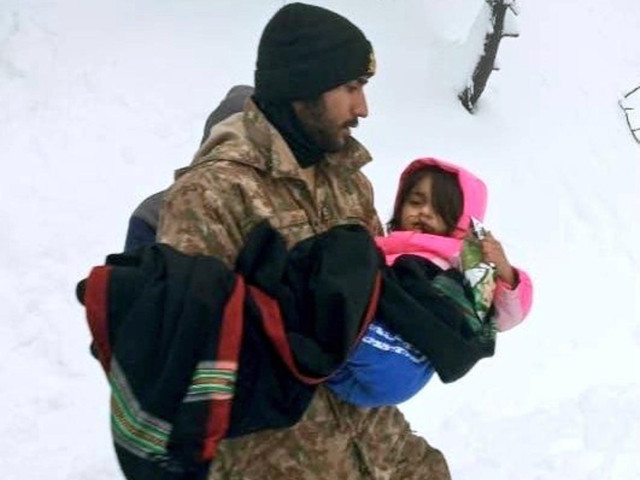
x,y
486,64
632,91
626,111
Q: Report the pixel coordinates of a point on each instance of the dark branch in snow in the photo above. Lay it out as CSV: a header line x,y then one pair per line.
x,y
470,95
632,92
632,128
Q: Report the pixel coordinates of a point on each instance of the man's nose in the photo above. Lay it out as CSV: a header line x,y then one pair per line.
x,y
360,108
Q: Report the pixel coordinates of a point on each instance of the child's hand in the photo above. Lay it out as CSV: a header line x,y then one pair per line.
x,y
492,252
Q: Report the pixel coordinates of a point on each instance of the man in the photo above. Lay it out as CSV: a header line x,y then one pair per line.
x,y
290,158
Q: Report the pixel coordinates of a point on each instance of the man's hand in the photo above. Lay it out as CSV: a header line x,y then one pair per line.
x,y
492,252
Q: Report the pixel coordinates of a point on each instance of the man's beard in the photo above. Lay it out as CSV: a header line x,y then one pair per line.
x,y
320,130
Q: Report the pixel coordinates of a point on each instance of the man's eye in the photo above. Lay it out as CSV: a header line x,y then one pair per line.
x,y
352,87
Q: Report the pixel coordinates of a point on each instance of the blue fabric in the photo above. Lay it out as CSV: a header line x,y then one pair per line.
x,y
382,370
139,234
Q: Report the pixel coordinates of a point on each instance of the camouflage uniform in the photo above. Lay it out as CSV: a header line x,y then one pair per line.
x,y
242,174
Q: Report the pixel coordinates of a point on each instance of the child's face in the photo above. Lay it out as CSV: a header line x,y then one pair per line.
x,y
418,213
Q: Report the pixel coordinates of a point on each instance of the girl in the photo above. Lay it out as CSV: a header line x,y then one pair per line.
x,y
432,213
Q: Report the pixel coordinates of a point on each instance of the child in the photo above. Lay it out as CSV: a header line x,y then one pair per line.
x,y
432,213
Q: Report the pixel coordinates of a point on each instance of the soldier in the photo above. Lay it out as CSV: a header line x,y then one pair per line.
x,y
290,158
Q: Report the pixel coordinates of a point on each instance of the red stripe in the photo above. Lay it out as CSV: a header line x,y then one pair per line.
x,y
274,327
229,343
95,301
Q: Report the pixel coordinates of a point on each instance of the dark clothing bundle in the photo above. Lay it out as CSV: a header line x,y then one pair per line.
x,y
195,352
192,355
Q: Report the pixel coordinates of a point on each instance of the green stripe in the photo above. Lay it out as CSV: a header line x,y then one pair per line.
x,y
130,414
209,388
214,374
131,426
134,439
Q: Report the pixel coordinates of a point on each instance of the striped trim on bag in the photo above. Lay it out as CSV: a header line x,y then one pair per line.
x,y
212,381
133,429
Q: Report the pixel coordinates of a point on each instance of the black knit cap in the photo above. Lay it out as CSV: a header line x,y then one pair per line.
x,y
306,50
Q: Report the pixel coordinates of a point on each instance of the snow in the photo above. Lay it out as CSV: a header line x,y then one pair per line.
x,y
101,101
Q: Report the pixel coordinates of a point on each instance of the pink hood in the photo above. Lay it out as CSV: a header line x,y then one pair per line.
x,y
435,247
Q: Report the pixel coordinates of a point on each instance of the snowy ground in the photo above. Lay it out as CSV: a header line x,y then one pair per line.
x,y
100,101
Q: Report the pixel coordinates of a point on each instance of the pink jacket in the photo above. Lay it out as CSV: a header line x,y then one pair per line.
x,y
512,305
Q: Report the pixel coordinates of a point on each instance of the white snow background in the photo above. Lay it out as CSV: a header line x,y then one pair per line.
x,y
101,101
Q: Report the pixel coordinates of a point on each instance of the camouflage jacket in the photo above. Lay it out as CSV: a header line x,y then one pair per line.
x,y
242,174
245,172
